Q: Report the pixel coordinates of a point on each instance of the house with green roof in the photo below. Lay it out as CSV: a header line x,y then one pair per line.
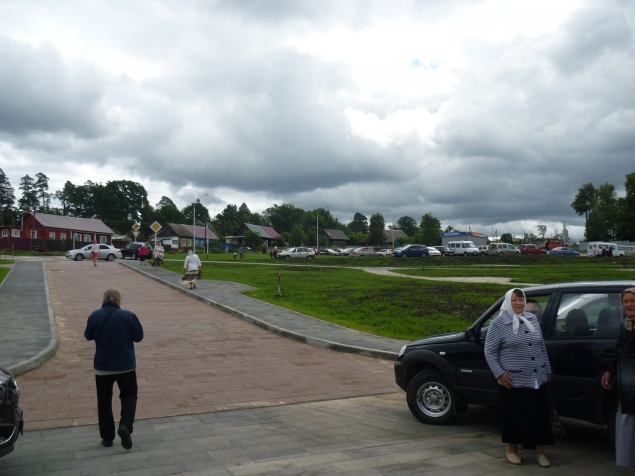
x,y
268,235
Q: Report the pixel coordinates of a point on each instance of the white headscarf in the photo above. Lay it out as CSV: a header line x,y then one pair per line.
x,y
516,318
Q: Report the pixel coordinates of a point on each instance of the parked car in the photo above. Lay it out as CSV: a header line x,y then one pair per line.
x,y
107,252
482,250
433,251
131,250
501,249
580,323
345,251
361,252
385,252
11,416
442,249
531,250
298,252
563,251
327,251
410,251
462,248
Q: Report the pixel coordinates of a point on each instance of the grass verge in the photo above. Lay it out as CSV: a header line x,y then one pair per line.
x,y
381,305
3,273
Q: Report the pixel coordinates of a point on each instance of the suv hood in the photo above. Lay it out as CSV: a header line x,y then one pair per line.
x,y
438,339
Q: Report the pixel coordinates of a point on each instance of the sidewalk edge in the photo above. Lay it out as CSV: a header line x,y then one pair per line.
x,y
51,349
314,341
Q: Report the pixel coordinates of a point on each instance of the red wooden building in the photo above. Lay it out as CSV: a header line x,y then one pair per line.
x,y
54,232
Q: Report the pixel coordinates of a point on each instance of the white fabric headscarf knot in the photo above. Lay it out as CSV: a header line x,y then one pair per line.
x,y
516,318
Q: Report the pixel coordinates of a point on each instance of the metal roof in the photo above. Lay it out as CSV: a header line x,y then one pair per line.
x,y
186,231
91,225
336,234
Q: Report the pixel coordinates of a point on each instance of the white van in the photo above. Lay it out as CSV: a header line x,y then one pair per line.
x,y
462,248
628,250
600,244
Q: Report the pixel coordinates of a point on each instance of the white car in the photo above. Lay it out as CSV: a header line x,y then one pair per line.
x,y
299,252
433,251
385,252
106,252
361,252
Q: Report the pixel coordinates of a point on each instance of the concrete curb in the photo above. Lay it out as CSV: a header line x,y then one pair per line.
x,y
51,349
314,341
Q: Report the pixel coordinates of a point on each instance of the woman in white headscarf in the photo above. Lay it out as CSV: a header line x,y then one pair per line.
x,y
516,354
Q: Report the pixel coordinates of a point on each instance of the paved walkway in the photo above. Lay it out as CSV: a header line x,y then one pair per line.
x,y
368,436
225,295
28,336
474,279
194,358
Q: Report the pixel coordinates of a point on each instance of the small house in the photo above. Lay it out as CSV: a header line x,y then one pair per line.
x,y
175,237
268,235
336,238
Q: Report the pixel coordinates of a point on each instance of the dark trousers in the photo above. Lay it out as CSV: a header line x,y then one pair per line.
x,y
127,383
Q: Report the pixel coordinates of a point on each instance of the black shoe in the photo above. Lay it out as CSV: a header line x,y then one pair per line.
x,y
106,443
124,433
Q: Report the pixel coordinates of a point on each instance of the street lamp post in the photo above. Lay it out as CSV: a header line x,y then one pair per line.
x,y
198,200
393,232
317,228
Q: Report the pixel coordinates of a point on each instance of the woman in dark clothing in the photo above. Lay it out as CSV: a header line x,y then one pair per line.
x,y
516,354
623,367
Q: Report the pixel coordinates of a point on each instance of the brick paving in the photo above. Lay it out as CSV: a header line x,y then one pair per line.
x,y
193,359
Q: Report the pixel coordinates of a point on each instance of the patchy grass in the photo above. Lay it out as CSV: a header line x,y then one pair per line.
x,y
381,305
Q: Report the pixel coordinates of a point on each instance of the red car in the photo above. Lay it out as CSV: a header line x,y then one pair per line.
x,y
531,250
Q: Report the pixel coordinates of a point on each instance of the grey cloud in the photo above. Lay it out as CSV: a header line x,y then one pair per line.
x,y
39,92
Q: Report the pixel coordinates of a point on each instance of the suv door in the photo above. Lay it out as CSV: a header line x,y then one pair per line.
x,y
580,342
475,379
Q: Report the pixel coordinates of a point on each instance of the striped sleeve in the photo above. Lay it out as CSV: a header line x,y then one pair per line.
x,y
492,347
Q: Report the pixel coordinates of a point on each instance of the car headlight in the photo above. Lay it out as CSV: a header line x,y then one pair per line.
x,y
403,349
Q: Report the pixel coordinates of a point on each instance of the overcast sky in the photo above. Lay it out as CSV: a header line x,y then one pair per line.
x,y
487,114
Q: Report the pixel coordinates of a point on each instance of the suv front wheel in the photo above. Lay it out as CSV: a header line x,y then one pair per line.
x,y
430,398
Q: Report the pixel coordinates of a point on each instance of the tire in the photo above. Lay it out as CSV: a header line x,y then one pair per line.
x,y
430,398
518,253
500,254
134,256
79,257
110,257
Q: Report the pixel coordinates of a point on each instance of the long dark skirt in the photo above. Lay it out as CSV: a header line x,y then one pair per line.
x,y
525,415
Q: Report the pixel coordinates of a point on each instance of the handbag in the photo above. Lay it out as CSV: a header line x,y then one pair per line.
x,y
554,418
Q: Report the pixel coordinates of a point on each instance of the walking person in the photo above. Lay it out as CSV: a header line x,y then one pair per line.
x,y
143,254
594,251
192,268
275,252
115,331
94,252
241,252
622,370
516,354
157,256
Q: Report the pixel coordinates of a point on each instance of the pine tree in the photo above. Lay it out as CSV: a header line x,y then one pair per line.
x,y
29,201
7,199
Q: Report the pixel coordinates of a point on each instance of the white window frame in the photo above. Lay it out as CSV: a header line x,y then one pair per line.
x,y
87,238
34,234
78,237
189,242
103,240
51,235
62,236
5,233
15,233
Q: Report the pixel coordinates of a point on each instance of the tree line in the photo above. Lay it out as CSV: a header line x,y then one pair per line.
x,y
122,203
607,216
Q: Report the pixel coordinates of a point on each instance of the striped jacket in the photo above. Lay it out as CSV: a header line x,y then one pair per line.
x,y
523,356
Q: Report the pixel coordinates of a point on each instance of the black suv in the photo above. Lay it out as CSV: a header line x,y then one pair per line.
x,y
131,250
580,323
11,417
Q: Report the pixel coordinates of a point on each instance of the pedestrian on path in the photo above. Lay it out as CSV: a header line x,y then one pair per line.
x,y
94,252
192,268
115,331
143,254
517,356
622,372
241,252
157,256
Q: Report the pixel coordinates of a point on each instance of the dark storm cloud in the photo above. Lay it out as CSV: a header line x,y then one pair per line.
x,y
39,92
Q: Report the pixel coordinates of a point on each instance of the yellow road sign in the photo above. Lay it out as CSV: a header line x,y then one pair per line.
x,y
136,227
155,226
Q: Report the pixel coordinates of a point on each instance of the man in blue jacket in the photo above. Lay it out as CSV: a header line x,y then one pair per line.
x,y
114,331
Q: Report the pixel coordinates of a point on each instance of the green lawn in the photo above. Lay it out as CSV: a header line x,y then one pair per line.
x,y
391,307
3,273
547,271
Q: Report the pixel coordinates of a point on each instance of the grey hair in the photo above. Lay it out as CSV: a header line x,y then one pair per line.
x,y
112,295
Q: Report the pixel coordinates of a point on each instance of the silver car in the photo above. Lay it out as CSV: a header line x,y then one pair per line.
x,y
501,249
361,252
106,252
299,252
